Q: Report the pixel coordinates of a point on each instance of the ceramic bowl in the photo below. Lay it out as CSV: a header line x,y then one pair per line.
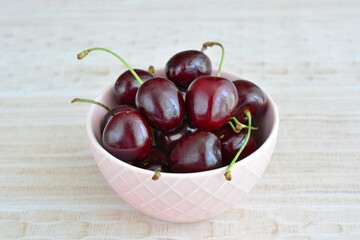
x,y
183,197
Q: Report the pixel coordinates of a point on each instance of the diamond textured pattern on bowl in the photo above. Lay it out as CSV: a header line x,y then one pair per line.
x,y
183,199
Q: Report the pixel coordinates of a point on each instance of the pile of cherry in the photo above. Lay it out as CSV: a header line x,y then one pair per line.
x,y
189,122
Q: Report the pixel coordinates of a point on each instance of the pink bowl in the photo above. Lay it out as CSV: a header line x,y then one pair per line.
x,y
188,197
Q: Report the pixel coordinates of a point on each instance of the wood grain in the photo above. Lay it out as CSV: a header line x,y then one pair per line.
x,y
306,54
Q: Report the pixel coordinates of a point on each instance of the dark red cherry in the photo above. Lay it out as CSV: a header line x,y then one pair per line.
x,y
231,142
156,160
197,152
161,103
211,102
127,136
126,86
115,110
167,141
251,97
185,66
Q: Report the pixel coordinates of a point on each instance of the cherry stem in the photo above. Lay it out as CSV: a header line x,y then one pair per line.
x,y
151,69
210,44
228,170
240,126
233,127
256,127
83,100
157,175
85,53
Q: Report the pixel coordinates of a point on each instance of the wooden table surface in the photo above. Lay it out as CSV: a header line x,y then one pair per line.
x,y
306,54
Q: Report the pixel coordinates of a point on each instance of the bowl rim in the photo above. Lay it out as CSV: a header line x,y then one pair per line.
x,y
97,145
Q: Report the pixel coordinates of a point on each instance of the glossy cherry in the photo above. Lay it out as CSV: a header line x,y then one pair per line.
x,y
185,66
231,142
127,136
127,85
115,110
211,102
197,152
251,98
161,103
167,141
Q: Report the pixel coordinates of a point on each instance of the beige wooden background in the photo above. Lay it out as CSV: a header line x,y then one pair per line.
x,y
305,53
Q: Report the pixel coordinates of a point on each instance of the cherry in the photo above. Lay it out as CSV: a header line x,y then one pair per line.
x,y
160,101
126,86
156,161
115,110
168,141
197,152
231,142
251,97
126,136
211,102
185,66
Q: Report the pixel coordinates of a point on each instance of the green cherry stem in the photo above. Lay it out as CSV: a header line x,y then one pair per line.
x,y
256,127
83,100
228,170
86,52
210,44
157,175
233,127
240,126
151,69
